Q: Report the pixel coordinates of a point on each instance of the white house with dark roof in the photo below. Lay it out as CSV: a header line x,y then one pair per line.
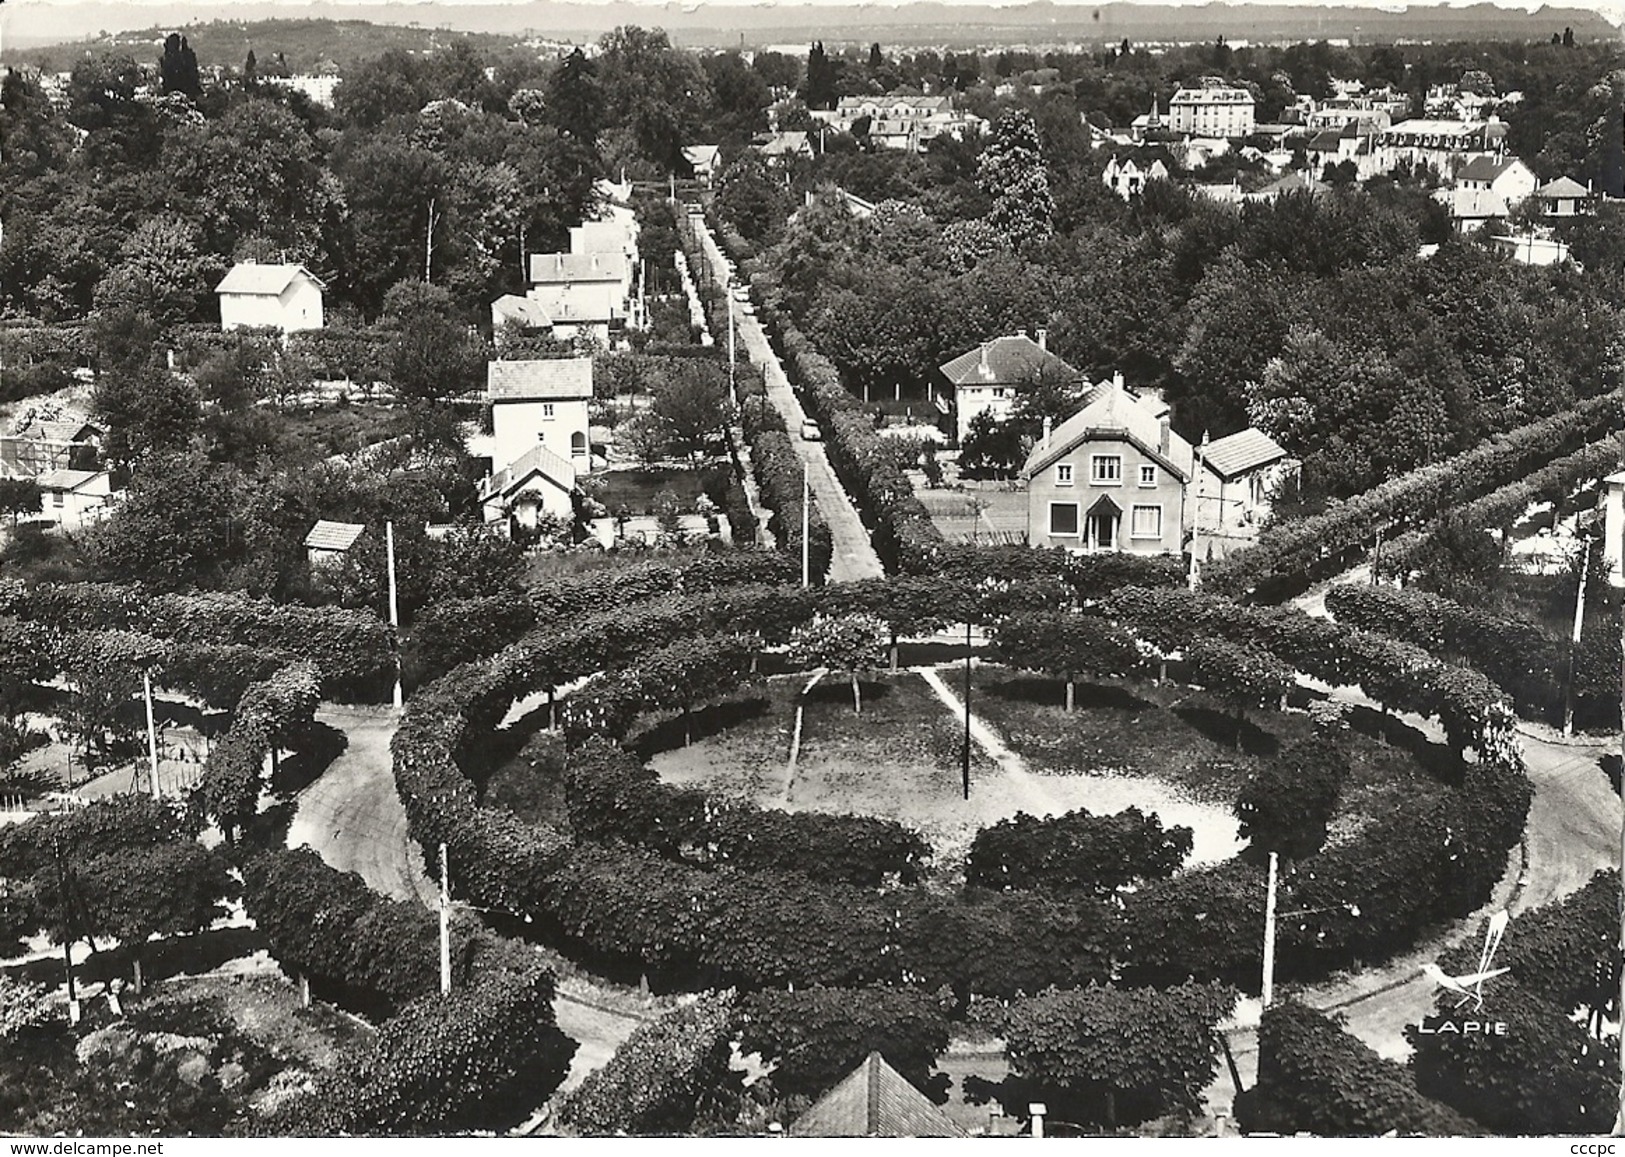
x,y
1487,189
988,378
1441,145
582,292
540,402
704,160
539,482
1238,480
283,297
1112,477
1565,197
1128,180
1212,108
75,499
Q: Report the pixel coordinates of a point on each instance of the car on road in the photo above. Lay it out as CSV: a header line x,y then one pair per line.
x,y
810,431
741,293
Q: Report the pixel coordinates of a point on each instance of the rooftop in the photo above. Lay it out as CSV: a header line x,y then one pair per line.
x,y
252,278
1236,454
1113,412
874,1101
1009,360
556,268
328,535
540,379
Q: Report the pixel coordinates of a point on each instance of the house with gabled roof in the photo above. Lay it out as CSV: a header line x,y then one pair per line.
x,y
328,542
75,499
777,148
283,297
704,160
510,311
988,378
582,293
875,1100
1128,180
541,401
537,483
1238,479
66,442
1487,189
1112,477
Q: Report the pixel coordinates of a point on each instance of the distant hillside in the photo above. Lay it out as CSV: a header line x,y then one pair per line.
x,y
301,42
367,28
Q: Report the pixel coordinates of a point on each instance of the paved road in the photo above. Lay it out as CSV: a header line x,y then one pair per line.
x,y
854,557
1573,830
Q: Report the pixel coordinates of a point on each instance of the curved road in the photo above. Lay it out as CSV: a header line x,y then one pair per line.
x,y
854,557
354,820
1573,830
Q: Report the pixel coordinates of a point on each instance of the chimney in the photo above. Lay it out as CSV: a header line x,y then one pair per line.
x,y
1046,433
1043,339
986,371
1162,445
1117,379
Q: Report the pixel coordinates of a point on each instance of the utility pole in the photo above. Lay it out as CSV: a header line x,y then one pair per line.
x,y
1619,1121
964,769
733,397
394,610
1574,641
445,925
67,936
806,522
152,732
1267,991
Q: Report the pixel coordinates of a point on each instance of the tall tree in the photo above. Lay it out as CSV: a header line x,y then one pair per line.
x,y
1011,171
574,99
819,90
177,68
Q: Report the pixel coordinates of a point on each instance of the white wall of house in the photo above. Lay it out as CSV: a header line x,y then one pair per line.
x,y
560,424
78,508
299,307
989,397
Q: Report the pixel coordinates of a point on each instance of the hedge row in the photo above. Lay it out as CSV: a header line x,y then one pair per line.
x,y
456,631
270,713
1554,482
1520,655
674,677
354,651
774,463
1435,857
1291,552
1315,1078
612,796
776,467
902,532
1076,852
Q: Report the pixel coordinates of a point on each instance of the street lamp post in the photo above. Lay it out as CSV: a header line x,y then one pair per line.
x,y
965,764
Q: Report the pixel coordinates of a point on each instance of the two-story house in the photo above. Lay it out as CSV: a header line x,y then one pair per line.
x,y
1128,180
1487,188
541,401
988,378
1238,480
1112,477
582,293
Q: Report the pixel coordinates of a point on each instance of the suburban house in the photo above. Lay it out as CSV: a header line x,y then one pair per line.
x,y
1354,142
539,402
581,292
1127,179
987,378
328,542
899,121
1150,126
1441,145
1212,108
1112,477
615,233
704,160
75,499
1565,197
1487,188
510,311
283,297
67,442
1532,247
1373,111
1238,479
538,483
777,148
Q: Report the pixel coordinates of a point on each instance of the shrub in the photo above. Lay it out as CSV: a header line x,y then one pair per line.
x,y
663,1076
1287,802
1076,852
814,1037
1315,1078
1116,1056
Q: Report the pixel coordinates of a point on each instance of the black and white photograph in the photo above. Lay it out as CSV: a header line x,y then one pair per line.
x,y
926,569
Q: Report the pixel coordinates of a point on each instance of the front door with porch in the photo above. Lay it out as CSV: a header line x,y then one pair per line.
x,y
1100,527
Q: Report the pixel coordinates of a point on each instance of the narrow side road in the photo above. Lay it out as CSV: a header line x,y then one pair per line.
x,y
854,557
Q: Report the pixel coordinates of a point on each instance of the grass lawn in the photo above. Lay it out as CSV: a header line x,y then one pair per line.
x,y
639,490
1177,735
548,565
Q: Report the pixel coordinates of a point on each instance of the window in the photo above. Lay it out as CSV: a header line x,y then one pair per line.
x,y
547,409
57,497
1063,474
1063,518
1147,522
1106,469
1148,475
